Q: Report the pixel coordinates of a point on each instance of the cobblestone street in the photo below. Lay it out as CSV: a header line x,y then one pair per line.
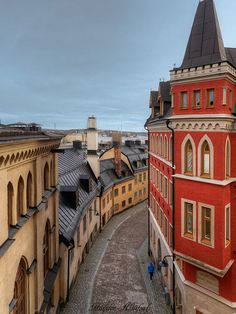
x,y
113,278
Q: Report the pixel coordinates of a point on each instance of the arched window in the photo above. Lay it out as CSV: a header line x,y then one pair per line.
x,y
10,199
20,290
188,167
165,147
51,174
46,177
227,159
46,248
170,150
205,159
20,198
161,148
29,196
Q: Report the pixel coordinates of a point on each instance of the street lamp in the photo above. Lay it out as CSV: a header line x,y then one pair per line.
x,y
164,263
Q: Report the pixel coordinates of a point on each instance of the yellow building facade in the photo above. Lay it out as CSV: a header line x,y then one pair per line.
x,y
29,244
128,188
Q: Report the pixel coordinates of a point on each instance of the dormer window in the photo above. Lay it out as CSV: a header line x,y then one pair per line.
x,y
196,99
210,97
184,100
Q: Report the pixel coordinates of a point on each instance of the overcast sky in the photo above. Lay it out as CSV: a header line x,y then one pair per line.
x,y
63,60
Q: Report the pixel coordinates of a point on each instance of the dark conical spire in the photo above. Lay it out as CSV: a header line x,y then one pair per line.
x,y
205,44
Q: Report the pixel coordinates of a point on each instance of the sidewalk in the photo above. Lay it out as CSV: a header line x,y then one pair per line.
x,y
154,287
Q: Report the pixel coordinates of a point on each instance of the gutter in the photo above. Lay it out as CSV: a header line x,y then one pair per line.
x,y
149,250
72,246
173,209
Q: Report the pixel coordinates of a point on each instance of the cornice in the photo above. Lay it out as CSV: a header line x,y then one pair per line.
x,y
15,154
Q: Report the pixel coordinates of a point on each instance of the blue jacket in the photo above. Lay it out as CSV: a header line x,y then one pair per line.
x,y
150,268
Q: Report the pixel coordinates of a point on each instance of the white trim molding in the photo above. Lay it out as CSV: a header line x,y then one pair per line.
x,y
183,201
211,147
212,208
186,139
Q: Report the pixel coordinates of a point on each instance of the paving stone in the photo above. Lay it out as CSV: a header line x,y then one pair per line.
x,y
117,281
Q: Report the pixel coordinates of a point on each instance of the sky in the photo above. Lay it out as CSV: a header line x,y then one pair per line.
x,y
64,60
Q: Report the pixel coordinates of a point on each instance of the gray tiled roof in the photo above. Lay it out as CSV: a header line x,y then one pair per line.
x,y
71,166
205,44
231,55
107,173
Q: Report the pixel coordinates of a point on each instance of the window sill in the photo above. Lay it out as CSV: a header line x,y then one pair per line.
x,y
197,108
206,242
210,107
188,236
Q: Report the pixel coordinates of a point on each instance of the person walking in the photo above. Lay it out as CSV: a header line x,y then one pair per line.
x,y
150,269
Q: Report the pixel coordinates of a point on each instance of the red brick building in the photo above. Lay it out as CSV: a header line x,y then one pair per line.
x,y
193,173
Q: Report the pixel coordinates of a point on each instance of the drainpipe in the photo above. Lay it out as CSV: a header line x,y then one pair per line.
x,y
100,208
173,209
72,246
149,250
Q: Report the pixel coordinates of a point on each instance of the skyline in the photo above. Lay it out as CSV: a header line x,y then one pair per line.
x,y
61,62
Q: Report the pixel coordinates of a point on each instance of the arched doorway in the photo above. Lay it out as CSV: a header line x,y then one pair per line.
x,y
20,289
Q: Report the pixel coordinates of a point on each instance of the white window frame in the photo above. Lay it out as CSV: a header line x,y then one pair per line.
x,y
203,139
227,242
227,142
183,201
212,207
186,139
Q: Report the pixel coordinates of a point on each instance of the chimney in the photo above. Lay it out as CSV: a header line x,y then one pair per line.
x,y
92,146
116,138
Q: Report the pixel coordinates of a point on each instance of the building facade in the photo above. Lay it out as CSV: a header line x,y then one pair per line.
x,y
124,178
29,244
201,120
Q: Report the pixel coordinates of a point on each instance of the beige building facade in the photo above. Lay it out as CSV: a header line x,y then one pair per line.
x,y
29,244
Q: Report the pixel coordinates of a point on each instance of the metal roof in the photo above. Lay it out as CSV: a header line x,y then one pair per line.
x,y
205,44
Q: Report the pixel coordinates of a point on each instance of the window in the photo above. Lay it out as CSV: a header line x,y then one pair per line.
x,y
210,97
161,148
230,98
184,100
161,183
46,248
196,99
144,191
205,159
46,177
78,236
166,228
123,189
90,214
161,218
140,177
224,95
165,147
140,192
84,224
130,187
206,224
29,191
116,207
108,198
171,194
123,204
20,198
10,199
144,176
227,161
165,187
20,289
188,220
227,225
104,203
52,174
116,192
171,236
135,194
188,158
130,200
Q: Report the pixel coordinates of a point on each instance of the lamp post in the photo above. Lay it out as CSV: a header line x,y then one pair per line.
x,y
164,263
